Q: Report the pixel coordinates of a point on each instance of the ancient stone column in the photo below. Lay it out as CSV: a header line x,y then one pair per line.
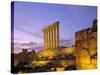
x,y
46,36
44,40
48,39
58,40
54,38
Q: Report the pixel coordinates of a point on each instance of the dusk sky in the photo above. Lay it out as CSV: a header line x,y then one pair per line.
x,y
30,18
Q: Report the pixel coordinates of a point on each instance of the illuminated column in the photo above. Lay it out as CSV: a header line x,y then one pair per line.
x,y
44,40
58,40
48,39
54,38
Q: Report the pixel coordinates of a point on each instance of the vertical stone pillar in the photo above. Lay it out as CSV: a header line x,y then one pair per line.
x,y
54,38
48,39
44,40
58,40
52,44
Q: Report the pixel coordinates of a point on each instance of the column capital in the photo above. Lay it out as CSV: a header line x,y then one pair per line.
x,y
53,25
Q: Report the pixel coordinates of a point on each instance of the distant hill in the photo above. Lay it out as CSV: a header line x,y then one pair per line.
x,y
38,48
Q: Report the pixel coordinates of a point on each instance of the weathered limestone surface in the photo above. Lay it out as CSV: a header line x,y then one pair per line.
x,y
86,48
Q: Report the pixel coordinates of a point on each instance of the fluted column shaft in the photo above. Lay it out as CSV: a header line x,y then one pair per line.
x,y
58,42
52,39
48,39
55,38
44,40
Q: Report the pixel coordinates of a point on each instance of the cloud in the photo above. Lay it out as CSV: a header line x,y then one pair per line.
x,y
66,43
29,44
25,45
28,32
17,47
38,48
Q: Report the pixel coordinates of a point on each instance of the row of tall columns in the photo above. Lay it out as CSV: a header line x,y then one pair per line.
x,y
51,37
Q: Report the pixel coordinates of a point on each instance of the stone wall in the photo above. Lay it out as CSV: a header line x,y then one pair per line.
x,y
86,48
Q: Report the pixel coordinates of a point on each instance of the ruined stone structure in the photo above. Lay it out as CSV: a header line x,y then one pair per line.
x,y
52,46
51,37
86,47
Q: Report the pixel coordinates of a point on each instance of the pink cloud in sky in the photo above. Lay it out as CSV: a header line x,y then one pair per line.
x,y
17,47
